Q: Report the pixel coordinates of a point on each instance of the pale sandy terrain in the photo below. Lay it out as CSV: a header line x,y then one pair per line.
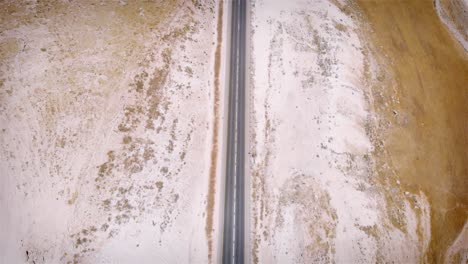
x,y
454,14
330,181
106,128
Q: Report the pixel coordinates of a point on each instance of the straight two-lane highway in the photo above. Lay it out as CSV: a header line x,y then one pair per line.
x,y
233,234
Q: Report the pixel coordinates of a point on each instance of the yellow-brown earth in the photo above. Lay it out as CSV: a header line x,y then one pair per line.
x,y
421,94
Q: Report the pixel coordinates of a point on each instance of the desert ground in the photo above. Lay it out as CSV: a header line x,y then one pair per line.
x,y
113,131
107,123
358,134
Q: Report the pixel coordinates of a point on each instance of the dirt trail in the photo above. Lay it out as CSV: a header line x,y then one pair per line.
x,y
424,110
214,148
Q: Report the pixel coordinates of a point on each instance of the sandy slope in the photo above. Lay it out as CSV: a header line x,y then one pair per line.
x,y
454,14
106,115
421,100
359,133
315,197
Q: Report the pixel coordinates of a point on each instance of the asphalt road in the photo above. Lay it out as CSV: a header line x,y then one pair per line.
x,y
233,234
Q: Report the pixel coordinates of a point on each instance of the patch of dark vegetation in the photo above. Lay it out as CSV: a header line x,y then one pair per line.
x,y
139,81
105,169
177,33
159,185
126,139
131,118
156,105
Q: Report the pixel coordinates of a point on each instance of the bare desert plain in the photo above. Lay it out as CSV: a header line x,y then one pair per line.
x,y
113,131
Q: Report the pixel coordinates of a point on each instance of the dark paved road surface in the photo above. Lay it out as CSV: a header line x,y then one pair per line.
x,y
233,234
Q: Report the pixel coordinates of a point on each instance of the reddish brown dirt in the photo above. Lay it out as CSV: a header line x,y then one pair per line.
x,y
214,149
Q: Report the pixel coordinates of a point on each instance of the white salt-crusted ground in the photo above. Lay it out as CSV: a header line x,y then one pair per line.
x,y
458,252
106,115
315,193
